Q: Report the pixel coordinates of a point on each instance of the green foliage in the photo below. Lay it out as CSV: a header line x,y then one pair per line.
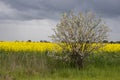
x,y
36,66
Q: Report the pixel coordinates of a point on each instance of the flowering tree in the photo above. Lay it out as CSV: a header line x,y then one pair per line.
x,y
83,33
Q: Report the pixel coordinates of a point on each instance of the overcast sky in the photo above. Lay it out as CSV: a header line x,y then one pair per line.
x,y
33,19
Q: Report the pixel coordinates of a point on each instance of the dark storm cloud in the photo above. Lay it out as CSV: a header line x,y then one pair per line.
x,y
42,4
108,8
39,9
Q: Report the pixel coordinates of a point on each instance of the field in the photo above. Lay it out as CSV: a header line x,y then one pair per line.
x,y
29,61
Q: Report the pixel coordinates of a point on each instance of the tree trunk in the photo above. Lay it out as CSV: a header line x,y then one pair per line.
x,y
77,60
80,64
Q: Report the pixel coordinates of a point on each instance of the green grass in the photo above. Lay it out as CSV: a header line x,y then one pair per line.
x,y
36,66
73,74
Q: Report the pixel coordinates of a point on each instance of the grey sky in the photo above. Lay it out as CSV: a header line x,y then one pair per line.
x,y
33,19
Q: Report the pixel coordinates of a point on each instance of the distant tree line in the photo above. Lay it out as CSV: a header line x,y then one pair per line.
x,y
29,41
33,41
106,41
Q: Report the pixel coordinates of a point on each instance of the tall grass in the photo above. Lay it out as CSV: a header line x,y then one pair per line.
x,y
37,66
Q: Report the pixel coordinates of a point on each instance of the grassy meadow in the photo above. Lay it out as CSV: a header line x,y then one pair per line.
x,y
30,61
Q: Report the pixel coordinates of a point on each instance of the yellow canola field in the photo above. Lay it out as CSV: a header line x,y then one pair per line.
x,y
111,48
42,47
29,46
